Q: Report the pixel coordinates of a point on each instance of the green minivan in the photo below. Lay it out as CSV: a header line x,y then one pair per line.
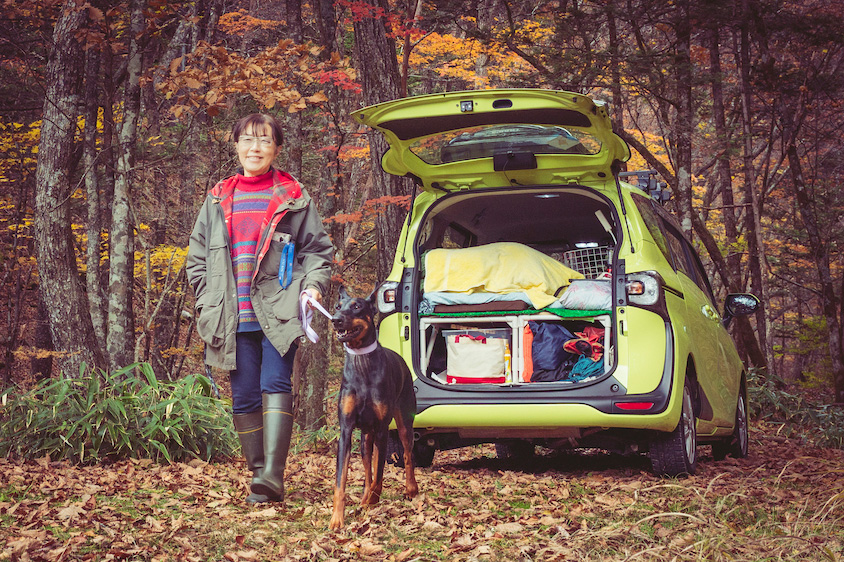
x,y
542,297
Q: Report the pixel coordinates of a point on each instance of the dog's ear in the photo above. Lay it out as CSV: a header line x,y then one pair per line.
x,y
372,299
343,295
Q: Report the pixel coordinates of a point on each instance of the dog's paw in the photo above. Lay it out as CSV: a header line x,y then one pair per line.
x,y
336,522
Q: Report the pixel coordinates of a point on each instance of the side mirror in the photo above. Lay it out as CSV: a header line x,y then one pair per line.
x,y
739,304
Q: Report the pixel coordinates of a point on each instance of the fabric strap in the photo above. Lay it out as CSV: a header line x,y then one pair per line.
x,y
307,314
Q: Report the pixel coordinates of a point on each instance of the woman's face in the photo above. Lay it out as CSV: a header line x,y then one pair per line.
x,y
256,150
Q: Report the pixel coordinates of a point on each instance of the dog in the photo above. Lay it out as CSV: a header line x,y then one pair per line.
x,y
377,388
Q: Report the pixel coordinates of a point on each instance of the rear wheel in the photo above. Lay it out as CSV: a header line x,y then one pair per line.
x,y
514,449
736,445
423,454
675,453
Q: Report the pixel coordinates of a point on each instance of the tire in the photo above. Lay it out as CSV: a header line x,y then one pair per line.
x,y
737,444
423,455
675,454
514,449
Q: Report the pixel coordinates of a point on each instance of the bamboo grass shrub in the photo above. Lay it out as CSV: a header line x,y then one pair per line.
x,y
771,400
111,416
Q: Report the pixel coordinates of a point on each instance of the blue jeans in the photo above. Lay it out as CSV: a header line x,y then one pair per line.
x,y
260,369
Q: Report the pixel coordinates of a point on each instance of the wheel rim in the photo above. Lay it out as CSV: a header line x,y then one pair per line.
x,y
741,425
689,438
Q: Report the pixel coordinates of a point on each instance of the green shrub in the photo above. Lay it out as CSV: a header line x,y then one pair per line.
x,y
770,400
125,414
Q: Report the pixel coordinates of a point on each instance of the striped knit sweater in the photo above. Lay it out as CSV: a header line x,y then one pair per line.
x,y
249,205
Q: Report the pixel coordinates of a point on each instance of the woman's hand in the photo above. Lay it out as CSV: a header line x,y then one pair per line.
x,y
314,294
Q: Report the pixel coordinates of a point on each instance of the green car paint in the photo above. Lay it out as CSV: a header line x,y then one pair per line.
x,y
510,153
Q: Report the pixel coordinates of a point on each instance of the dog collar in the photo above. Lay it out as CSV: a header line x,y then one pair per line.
x,y
362,351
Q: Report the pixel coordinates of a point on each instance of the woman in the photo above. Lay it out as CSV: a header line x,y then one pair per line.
x,y
257,248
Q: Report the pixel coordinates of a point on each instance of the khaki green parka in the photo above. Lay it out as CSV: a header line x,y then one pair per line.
x,y
291,216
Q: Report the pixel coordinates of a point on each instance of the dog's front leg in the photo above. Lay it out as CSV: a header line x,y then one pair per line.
x,y
344,455
366,443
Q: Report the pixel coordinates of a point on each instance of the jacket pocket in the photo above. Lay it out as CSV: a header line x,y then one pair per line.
x,y
211,324
284,303
219,259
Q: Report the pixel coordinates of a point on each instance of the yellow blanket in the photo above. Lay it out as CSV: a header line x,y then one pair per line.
x,y
502,267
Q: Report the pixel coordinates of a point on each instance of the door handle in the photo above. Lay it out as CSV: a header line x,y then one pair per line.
x,y
710,312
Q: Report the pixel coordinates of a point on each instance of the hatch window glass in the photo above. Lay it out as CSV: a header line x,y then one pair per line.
x,y
488,140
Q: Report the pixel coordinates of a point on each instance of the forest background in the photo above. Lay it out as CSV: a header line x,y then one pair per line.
x,y
114,120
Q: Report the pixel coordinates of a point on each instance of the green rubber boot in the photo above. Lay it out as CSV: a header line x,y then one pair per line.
x,y
278,428
250,432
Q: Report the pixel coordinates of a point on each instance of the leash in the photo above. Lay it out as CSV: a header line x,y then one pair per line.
x,y
307,314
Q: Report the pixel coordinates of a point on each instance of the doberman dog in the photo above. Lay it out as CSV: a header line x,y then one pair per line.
x,y
377,387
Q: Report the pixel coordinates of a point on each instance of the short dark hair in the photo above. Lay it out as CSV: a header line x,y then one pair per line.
x,y
257,121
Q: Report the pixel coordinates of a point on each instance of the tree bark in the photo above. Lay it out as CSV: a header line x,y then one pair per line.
x,y
753,222
830,302
683,125
723,171
379,75
121,333
93,270
310,369
60,283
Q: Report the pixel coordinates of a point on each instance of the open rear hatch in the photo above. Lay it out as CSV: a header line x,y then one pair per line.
x,y
491,138
513,285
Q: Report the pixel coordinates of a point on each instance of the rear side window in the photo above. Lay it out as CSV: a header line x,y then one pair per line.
x,y
687,260
681,260
652,221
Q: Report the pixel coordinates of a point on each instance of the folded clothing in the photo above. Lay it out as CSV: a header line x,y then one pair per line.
x,y
587,294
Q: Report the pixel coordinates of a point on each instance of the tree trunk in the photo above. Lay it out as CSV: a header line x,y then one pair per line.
x,y
327,24
723,171
60,283
93,270
617,109
310,370
753,223
830,302
682,129
121,333
379,75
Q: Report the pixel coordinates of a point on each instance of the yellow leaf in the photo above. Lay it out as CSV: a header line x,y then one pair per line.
x,y
174,66
318,97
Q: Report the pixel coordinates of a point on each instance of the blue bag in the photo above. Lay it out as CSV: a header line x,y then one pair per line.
x,y
548,340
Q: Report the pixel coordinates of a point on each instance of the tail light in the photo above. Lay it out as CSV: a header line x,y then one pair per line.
x,y
645,290
387,297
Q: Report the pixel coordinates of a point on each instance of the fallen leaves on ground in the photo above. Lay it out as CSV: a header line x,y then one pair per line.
x,y
784,502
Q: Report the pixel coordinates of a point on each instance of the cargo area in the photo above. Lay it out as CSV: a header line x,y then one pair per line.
x,y
516,288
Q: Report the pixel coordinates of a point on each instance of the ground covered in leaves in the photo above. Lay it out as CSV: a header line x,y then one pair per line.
x,y
785,502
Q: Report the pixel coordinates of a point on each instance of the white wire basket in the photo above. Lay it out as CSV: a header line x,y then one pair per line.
x,y
591,262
